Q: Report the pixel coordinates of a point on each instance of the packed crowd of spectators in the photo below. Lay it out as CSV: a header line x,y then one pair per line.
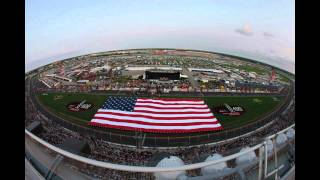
x,y
103,151
129,83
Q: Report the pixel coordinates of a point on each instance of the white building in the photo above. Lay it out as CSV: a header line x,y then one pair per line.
x,y
84,81
205,70
252,75
96,69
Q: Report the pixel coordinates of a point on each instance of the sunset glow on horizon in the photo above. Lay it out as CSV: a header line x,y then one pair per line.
x,y
260,30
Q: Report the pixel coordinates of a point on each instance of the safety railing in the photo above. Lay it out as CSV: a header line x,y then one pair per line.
x,y
143,171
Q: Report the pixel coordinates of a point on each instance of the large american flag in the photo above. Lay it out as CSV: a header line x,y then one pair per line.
x,y
160,115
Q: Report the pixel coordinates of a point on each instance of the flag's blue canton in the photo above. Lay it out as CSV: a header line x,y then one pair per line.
x,y
120,103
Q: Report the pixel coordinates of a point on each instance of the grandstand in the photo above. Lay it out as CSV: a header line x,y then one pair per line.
x,y
261,148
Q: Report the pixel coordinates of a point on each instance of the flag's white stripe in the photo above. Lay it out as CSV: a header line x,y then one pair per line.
x,y
133,125
171,110
158,115
170,106
150,120
170,102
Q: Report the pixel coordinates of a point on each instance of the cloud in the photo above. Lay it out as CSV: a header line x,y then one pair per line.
x,y
267,35
246,30
288,53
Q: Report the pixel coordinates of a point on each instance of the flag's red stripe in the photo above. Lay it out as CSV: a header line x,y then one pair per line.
x,y
173,99
155,130
148,106
156,124
156,117
155,112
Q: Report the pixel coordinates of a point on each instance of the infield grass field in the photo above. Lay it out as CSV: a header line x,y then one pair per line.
x,y
255,107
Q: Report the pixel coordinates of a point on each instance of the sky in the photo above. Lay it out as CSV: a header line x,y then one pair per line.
x,y
261,30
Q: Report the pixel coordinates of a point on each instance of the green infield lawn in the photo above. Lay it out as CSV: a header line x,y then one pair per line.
x,y
58,106
255,107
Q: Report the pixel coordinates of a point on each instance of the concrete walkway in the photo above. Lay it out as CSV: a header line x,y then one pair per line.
x,y
30,172
63,169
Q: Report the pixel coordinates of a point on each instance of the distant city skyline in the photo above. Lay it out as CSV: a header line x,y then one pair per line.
x,y
60,29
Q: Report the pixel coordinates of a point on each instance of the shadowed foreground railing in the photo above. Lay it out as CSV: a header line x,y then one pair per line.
x,y
262,168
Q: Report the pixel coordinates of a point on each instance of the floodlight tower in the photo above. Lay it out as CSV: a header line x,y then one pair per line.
x,y
272,75
61,69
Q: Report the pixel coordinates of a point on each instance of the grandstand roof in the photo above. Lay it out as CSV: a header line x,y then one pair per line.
x,y
250,156
290,133
172,161
281,138
215,167
205,70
